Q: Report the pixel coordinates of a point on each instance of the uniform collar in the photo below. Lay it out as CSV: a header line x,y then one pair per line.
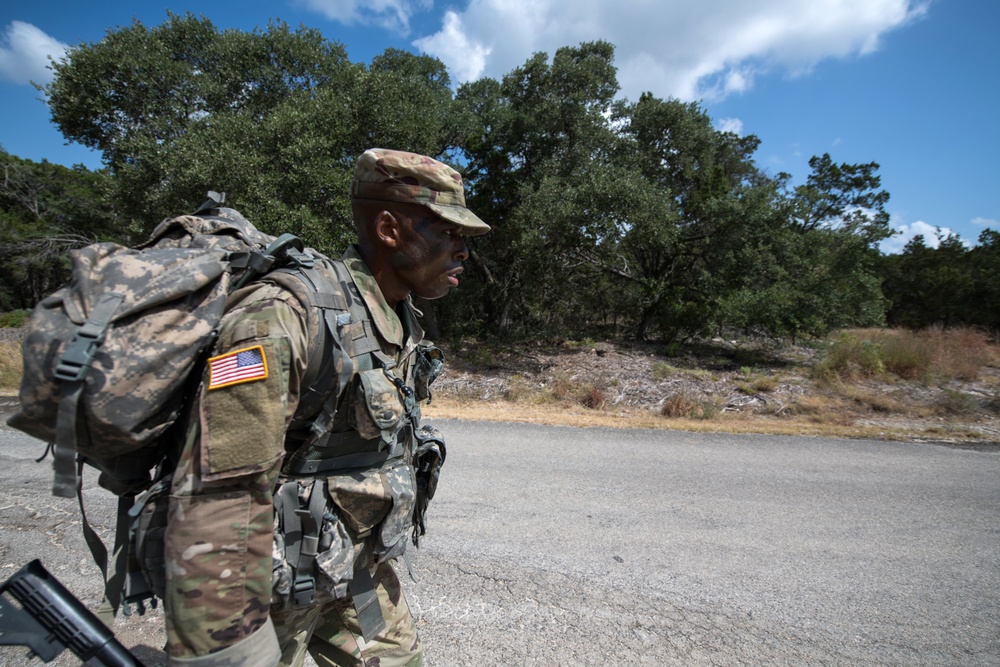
x,y
386,320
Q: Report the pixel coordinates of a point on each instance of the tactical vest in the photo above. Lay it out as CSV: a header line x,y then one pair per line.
x,y
352,442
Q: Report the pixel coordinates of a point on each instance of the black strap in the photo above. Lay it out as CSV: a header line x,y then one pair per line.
x,y
288,497
321,380
301,528
66,480
114,578
368,459
366,604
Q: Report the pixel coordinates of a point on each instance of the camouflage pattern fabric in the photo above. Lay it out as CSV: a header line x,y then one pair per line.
x,y
220,548
331,634
177,283
387,175
219,536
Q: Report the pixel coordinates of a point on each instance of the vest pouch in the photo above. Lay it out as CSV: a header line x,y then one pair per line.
x,y
361,499
332,566
335,562
398,522
377,408
429,363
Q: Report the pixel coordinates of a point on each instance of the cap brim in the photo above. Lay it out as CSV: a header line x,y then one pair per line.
x,y
469,222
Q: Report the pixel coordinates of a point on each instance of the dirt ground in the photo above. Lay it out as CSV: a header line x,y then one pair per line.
x,y
717,386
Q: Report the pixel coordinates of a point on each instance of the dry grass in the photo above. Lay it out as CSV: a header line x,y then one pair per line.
x,y
931,355
11,364
865,383
594,399
684,405
503,411
679,405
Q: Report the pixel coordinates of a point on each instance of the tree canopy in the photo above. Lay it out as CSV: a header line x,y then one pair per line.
x,y
45,210
627,218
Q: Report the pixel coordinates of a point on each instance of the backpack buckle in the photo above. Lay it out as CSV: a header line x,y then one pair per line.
x,y
78,355
76,360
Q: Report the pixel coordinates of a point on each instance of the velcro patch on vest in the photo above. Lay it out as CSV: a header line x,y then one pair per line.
x,y
246,365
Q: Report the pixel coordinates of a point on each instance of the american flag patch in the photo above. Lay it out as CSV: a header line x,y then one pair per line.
x,y
246,365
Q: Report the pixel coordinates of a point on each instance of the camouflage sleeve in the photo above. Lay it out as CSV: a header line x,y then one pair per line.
x,y
219,537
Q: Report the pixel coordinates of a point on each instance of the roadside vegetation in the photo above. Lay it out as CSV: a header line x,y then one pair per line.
x,y
10,364
935,384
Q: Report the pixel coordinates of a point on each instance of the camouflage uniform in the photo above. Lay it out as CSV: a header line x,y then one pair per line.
x,y
220,535
227,600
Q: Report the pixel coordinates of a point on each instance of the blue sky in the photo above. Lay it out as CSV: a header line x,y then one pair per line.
x,y
911,84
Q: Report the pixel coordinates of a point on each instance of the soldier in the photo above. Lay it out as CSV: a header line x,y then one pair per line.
x,y
282,525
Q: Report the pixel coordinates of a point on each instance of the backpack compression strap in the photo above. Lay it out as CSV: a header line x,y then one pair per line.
x,y
72,371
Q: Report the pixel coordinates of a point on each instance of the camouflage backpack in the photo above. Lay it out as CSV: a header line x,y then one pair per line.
x,y
109,359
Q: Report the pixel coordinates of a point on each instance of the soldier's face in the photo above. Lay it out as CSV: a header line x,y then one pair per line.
x,y
429,259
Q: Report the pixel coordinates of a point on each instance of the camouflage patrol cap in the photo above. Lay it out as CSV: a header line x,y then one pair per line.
x,y
398,176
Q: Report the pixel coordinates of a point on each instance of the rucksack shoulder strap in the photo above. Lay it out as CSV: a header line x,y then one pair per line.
x,y
329,368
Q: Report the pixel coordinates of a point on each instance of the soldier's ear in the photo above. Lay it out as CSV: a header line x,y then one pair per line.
x,y
387,229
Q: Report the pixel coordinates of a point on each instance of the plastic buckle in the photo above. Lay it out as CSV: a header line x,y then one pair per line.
x,y
77,357
303,589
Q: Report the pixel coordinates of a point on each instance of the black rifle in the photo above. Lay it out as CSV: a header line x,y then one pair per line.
x,y
48,619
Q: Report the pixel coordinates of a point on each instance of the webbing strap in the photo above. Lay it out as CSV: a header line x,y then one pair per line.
x,y
366,604
356,460
324,297
364,340
301,528
288,494
66,480
114,577
359,460
312,520
72,371
117,571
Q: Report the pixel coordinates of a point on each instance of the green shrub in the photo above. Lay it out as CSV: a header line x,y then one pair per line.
x,y
952,402
14,319
661,370
850,357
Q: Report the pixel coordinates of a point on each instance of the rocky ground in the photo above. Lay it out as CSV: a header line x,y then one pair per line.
x,y
714,386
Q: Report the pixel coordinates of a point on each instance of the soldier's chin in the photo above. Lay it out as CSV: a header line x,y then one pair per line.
x,y
436,292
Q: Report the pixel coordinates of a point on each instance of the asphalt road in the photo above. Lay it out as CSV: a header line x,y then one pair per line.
x,y
563,546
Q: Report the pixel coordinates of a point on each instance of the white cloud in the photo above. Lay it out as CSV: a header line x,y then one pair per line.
x,y
673,48
734,125
391,14
932,236
452,45
986,222
25,52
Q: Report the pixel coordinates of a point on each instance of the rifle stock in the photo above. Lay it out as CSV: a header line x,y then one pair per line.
x,y
47,618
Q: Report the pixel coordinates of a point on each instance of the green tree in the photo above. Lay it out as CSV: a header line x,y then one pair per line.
x,y
950,285
534,142
841,218
272,117
984,260
46,210
644,217
693,215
